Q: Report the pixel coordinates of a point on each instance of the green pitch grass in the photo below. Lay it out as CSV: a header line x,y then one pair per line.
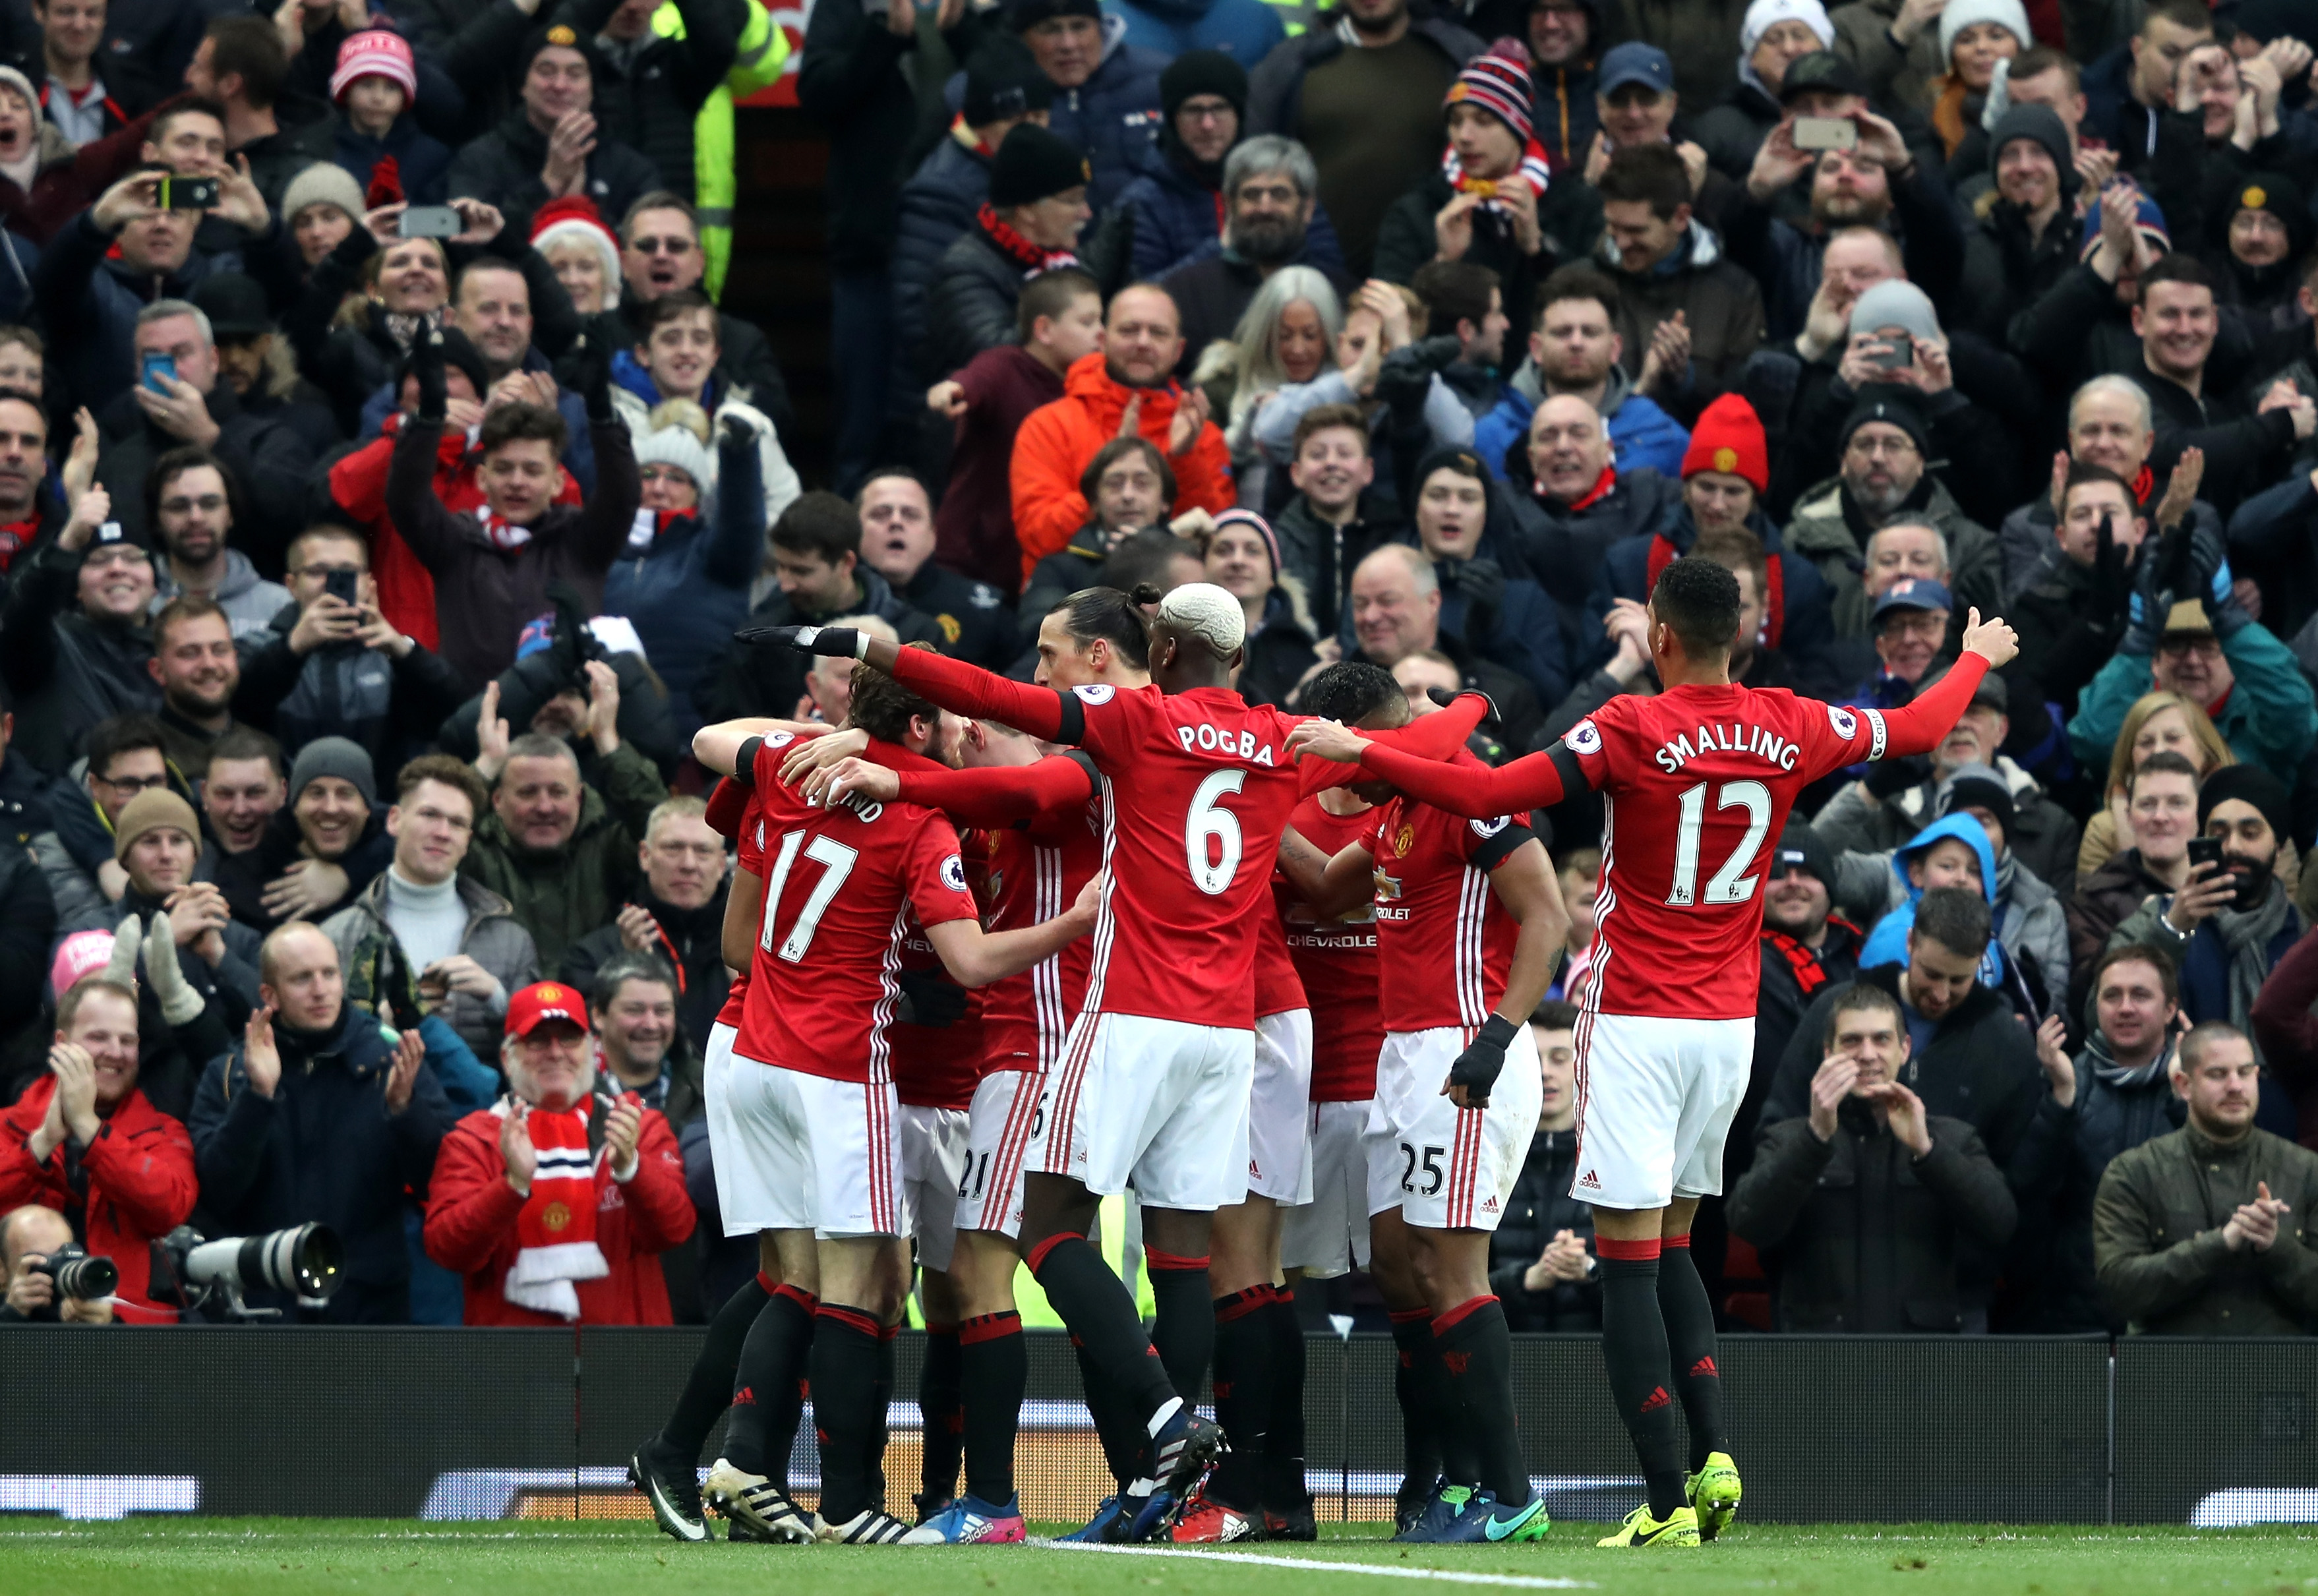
x,y
265,1556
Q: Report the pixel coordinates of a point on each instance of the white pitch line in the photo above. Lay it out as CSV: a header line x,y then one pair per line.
x,y
1451,1575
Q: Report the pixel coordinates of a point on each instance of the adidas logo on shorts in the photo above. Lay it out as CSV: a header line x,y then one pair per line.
x,y
1588,1182
1488,1204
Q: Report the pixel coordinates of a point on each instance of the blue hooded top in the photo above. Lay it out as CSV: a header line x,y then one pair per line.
x,y
1887,944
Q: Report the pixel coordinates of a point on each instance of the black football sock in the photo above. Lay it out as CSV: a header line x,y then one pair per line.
x,y
1094,1303
847,1343
708,1388
1183,1320
1114,1426
941,1403
881,1407
1420,1436
994,1370
1243,1386
1283,1440
1634,1349
773,1362
1477,1356
1690,1347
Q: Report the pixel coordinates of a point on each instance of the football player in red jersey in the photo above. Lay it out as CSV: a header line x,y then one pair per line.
x,y
1155,1087
1469,926
1696,782
814,1120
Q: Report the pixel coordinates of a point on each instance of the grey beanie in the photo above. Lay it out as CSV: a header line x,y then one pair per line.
x,y
1895,303
325,182
334,755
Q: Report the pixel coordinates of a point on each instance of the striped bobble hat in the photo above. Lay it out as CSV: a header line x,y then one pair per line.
x,y
1498,81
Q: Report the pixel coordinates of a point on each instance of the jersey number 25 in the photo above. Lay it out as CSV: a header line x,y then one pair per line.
x,y
1728,884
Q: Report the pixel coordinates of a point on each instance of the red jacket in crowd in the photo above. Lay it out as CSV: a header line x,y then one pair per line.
x,y
1052,451
406,591
471,1213
141,1183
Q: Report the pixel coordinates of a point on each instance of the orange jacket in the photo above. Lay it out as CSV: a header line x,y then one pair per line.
x,y
1052,450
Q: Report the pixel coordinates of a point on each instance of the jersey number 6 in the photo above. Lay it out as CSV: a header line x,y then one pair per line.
x,y
1728,886
1205,822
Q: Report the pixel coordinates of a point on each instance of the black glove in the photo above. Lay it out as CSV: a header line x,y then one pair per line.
x,y
595,374
1483,585
427,363
1405,375
1445,697
573,645
732,433
832,642
2109,609
927,1000
1477,1067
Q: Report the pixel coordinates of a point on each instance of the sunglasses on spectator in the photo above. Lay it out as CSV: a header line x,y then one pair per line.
x,y
660,245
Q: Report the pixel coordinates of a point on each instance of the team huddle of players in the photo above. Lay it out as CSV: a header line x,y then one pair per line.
x,y
1270,972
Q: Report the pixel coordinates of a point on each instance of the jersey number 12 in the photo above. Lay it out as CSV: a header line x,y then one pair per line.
x,y
1728,884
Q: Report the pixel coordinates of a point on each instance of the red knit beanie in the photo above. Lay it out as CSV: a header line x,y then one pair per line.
x,y
1729,438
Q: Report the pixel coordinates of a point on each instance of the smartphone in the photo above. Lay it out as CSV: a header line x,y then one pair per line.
x,y
430,222
1825,132
159,372
2205,850
1901,352
188,193
341,584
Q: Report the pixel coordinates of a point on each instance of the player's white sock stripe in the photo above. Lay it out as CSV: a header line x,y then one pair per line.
x,y
1521,1581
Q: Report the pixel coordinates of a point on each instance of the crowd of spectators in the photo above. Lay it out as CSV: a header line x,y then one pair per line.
x,y
381,486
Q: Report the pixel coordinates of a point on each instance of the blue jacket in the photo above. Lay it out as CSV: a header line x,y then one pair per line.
x,y
1113,116
1887,944
421,165
1807,627
938,203
1177,220
1640,432
1243,28
690,589
322,1147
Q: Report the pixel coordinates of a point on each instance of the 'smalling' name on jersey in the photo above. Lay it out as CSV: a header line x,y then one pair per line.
x,y
1733,739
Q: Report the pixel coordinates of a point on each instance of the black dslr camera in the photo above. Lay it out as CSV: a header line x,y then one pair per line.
x,y
77,1275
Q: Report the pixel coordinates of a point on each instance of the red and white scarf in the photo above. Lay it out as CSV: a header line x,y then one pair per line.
x,y
557,1227
1533,170
1032,259
502,532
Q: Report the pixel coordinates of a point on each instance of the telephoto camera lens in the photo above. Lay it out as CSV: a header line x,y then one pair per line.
x,y
304,1259
78,1276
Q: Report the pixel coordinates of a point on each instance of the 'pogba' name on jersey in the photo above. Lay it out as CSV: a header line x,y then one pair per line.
x,y
1732,739
1231,742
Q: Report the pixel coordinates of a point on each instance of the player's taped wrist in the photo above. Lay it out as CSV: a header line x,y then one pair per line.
x,y
1478,1067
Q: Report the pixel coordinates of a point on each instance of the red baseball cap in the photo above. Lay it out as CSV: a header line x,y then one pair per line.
x,y
542,1001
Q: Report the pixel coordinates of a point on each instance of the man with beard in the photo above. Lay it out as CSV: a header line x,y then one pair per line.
x,y
1272,188
674,914
1886,444
1125,387
2229,923
1879,183
1364,97
2026,240
190,504
195,661
27,516
1575,350
1203,107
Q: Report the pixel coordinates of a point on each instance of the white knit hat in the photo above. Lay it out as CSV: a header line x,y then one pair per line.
x,y
2008,14
1766,15
678,446
325,182
12,78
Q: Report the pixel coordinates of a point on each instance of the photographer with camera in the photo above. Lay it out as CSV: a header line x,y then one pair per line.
x,y
35,1244
86,1147
317,1115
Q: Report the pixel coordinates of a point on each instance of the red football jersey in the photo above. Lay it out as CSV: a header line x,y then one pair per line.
x,y
1695,785
1338,963
1199,787
732,815
1445,944
1279,989
1036,871
841,887
934,1066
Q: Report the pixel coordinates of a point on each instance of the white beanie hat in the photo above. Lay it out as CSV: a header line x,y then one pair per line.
x,y
679,446
2008,14
1766,15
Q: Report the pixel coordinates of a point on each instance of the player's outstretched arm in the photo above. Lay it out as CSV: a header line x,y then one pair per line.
x,y
1331,887
1000,794
1531,782
1525,888
1436,736
953,685
718,747
1925,723
975,957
